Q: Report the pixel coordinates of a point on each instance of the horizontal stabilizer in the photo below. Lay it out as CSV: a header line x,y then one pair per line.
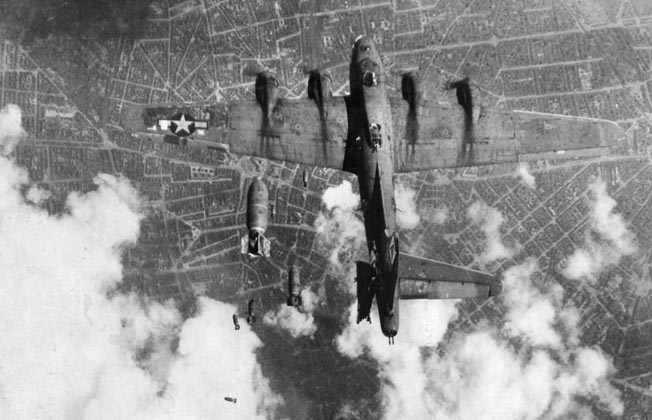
x,y
438,289
423,278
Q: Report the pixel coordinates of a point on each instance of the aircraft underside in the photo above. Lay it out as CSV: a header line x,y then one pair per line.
x,y
356,133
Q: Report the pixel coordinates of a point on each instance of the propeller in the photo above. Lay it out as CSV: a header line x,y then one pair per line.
x,y
465,100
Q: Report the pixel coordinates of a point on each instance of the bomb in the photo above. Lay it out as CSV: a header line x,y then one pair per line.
x,y
255,243
251,317
294,278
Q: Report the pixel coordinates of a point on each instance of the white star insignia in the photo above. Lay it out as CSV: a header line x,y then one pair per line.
x,y
183,124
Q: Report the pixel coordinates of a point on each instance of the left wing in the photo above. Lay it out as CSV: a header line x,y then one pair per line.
x,y
423,278
297,130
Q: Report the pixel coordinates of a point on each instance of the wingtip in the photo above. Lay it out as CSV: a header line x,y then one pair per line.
x,y
496,287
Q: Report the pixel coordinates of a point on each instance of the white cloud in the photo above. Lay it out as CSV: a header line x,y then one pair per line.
x,y
297,321
481,374
532,314
12,133
523,173
609,225
489,220
615,240
341,196
37,195
70,351
407,216
340,233
440,215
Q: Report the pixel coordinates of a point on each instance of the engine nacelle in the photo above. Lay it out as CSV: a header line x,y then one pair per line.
x,y
319,87
255,243
464,95
294,279
266,93
410,90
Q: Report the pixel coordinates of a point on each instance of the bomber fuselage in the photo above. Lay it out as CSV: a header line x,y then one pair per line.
x,y
375,176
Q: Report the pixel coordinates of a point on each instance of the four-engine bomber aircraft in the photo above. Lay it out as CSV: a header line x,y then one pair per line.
x,y
357,133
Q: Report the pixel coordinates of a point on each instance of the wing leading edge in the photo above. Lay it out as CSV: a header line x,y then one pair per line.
x,y
423,278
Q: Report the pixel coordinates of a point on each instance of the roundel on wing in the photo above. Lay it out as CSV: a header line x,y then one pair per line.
x,y
182,124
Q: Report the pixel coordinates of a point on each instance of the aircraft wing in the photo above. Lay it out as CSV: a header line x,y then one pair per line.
x,y
436,136
423,278
297,131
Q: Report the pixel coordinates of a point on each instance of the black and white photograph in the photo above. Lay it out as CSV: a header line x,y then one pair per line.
x,y
325,209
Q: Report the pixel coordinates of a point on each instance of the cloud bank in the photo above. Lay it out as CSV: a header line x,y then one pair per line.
x,y
73,347
483,374
489,220
613,240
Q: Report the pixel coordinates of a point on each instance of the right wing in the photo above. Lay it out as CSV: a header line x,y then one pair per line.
x,y
437,136
423,278
297,131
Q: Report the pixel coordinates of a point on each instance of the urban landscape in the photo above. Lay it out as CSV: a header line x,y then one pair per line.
x,y
567,57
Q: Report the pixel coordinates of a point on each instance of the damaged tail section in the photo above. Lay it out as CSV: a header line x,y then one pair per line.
x,y
365,278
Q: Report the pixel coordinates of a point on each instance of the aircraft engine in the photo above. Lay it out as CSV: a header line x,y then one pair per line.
x,y
319,87
409,89
295,286
255,243
266,92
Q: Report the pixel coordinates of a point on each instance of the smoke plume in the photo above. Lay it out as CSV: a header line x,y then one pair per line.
x,y
340,233
440,215
297,321
523,173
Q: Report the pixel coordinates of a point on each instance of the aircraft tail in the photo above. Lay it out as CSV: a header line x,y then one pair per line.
x,y
422,278
256,245
365,292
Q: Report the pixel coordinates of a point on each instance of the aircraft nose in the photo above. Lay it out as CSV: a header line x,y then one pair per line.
x,y
496,287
